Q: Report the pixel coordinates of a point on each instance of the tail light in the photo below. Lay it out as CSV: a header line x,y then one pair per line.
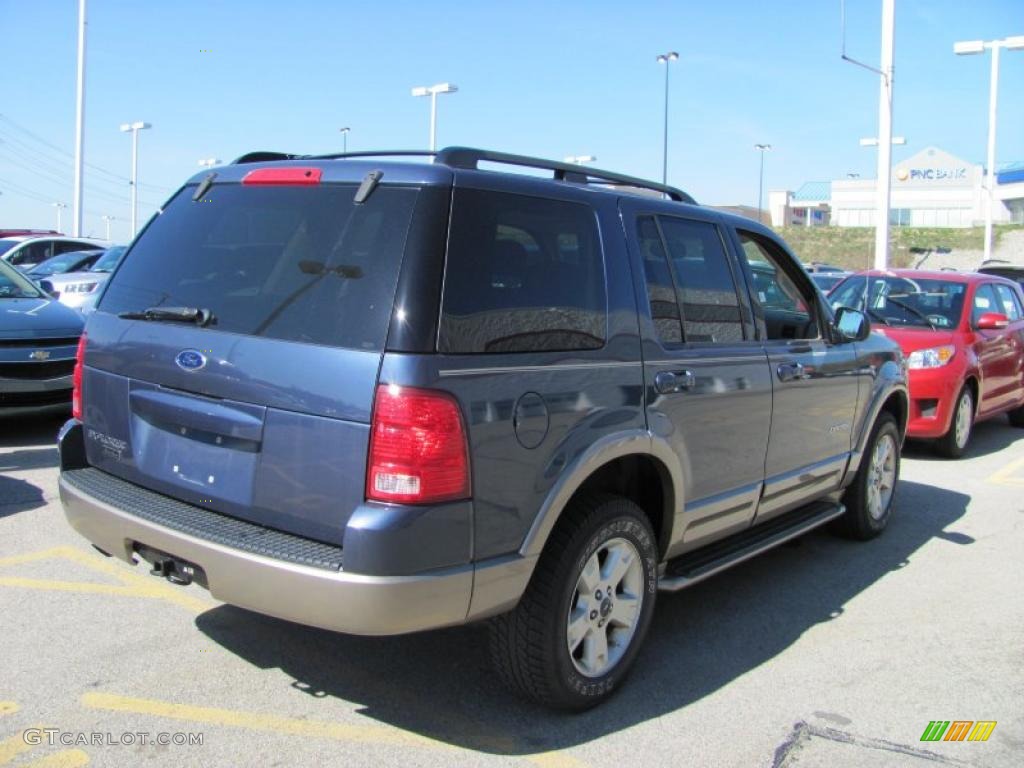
x,y
418,448
76,380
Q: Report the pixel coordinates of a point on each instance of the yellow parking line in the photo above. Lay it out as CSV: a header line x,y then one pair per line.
x,y
13,746
8,708
255,721
1005,476
132,584
69,758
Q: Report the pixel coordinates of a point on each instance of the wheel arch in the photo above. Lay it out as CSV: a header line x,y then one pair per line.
x,y
638,465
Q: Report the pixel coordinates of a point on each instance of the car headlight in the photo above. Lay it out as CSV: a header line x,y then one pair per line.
x,y
935,357
80,287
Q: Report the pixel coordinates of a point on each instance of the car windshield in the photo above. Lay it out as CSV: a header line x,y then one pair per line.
x,y
894,300
7,244
57,265
109,259
14,285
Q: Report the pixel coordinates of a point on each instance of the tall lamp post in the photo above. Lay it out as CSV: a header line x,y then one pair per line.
x,y
666,59
106,221
760,179
60,207
76,212
135,128
432,91
968,48
344,139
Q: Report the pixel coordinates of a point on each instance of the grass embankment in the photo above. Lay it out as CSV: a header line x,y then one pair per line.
x,y
854,247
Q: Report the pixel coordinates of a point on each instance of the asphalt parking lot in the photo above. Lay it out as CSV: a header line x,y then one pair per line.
x,y
820,653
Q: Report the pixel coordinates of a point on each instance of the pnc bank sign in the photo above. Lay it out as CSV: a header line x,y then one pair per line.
x,y
956,173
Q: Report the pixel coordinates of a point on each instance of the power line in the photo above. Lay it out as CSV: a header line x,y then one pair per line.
x,y
36,137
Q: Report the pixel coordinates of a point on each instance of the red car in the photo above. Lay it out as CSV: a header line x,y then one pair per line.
x,y
963,336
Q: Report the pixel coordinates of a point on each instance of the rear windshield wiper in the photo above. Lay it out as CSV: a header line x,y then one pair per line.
x,y
201,317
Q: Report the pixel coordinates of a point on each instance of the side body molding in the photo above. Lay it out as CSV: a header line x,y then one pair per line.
x,y
611,447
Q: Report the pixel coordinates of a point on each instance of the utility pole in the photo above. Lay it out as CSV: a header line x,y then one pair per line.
x,y
76,214
885,134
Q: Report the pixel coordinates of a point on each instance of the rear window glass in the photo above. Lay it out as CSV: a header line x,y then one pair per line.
x,y
293,263
523,274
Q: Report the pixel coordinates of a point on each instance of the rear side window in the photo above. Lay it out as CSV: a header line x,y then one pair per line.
x,y
294,263
523,274
1010,303
707,290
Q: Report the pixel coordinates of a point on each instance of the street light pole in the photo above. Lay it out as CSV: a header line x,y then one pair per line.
x,y
665,58
432,91
60,207
106,221
135,128
76,224
344,139
885,134
978,46
760,183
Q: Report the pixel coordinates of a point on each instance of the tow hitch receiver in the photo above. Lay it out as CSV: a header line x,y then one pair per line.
x,y
171,568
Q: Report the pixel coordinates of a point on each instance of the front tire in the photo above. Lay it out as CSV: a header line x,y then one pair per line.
x,y
870,498
953,444
578,627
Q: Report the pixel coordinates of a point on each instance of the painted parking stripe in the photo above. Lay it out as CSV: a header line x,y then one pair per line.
x,y
69,758
131,584
1012,475
13,746
8,708
255,721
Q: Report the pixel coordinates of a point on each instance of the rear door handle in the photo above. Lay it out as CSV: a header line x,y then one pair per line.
x,y
669,382
792,372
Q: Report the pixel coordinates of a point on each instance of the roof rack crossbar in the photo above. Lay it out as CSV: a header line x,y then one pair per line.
x,y
469,159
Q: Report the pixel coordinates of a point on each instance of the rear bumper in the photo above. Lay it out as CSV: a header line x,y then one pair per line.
x,y
315,596
933,394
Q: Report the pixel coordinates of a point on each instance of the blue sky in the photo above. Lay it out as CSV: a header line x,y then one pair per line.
x,y
544,78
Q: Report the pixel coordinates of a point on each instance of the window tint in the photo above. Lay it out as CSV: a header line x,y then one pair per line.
x,y
707,291
295,263
894,300
786,307
1009,302
661,292
68,247
523,274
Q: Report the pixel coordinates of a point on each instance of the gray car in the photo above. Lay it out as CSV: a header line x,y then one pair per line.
x,y
81,289
379,396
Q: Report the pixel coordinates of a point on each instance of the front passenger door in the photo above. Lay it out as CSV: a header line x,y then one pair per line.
x,y
815,382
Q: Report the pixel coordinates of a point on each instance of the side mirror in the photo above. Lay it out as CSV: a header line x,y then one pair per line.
x,y
852,325
992,321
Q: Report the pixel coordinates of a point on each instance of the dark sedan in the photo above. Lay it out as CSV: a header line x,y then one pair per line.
x,y
38,340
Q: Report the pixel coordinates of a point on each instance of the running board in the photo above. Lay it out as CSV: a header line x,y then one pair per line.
x,y
688,569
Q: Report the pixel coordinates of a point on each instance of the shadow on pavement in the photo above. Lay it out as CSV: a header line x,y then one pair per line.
x,y
440,685
988,437
19,496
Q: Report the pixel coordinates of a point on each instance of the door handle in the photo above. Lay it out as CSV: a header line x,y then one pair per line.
x,y
792,372
668,382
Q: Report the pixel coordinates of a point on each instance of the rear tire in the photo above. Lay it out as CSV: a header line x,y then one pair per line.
x,y
570,642
953,444
870,498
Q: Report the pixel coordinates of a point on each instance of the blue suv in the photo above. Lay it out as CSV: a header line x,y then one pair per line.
x,y
377,395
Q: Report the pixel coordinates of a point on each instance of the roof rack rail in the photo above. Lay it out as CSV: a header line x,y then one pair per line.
x,y
469,159
376,153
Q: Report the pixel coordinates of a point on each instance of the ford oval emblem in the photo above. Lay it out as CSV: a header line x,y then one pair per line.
x,y
190,360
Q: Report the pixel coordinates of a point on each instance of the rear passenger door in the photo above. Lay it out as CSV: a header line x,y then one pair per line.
x,y
815,380
707,384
